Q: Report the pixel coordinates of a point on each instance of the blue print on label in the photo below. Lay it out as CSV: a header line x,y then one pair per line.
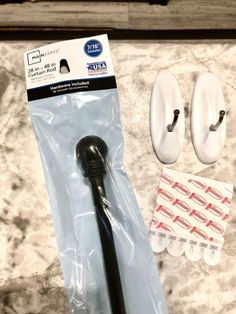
x,y
93,48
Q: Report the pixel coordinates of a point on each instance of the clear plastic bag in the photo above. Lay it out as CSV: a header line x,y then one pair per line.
x,y
60,122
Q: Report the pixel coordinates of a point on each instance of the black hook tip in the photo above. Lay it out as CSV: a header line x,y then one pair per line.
x,y
170,127
214,127
176,112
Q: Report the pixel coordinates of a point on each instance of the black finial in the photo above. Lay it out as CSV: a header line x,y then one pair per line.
x,y
91,152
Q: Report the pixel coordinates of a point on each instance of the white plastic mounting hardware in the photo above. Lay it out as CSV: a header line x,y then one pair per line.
x,y
167,118
208,124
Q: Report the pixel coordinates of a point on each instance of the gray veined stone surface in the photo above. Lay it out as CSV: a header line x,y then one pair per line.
x,y
30,276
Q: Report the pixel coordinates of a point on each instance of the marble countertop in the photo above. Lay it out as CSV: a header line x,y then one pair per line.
x,y
30,275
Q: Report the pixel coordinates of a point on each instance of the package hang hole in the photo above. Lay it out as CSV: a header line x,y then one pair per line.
x,y
64,67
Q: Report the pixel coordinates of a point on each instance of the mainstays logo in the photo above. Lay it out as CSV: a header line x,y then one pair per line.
x,y
35,56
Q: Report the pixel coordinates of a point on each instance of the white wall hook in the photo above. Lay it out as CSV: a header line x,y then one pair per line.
x,y
208,123
167,118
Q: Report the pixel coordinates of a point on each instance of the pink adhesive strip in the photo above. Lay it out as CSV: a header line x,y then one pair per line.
x,y
193,209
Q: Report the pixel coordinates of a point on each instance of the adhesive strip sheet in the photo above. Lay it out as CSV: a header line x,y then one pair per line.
x,y
191,216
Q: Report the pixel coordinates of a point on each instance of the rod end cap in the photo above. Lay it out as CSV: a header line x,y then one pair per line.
x,y
91,151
